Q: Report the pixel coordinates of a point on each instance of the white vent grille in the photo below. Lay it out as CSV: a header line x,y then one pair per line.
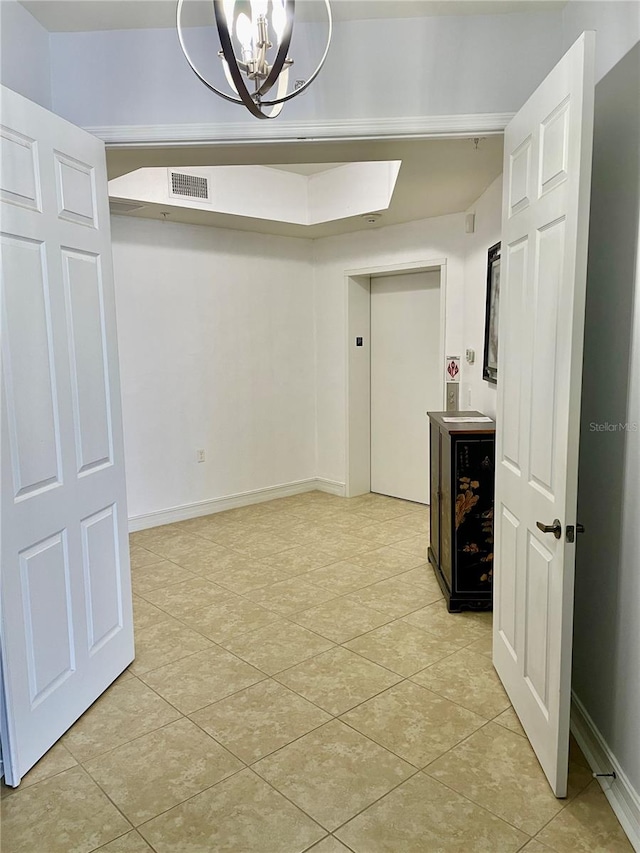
x,y
189,186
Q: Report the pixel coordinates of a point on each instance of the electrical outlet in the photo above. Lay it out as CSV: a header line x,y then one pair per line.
x,y
200,456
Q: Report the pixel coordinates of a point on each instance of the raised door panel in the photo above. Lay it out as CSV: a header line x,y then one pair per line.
x,y
516,256
539,563
29,368
46,600
103,585
554,148
76,191
84,301
520,178
547,283
19,178
506,593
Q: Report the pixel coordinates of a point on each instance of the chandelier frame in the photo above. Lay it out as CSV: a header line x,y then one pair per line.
x,y
277,73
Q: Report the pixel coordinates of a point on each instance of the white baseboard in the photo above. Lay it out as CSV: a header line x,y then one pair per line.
x,y
332,487
624,799
195,510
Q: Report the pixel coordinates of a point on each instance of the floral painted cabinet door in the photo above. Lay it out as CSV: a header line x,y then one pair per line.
x,y
462,489
473,479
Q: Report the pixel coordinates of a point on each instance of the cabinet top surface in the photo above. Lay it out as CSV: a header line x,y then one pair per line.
x,y
465,427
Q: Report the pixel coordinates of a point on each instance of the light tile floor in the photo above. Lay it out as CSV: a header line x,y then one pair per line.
x,y
299,685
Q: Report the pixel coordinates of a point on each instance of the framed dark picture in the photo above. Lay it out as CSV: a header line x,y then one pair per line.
x,y
490,364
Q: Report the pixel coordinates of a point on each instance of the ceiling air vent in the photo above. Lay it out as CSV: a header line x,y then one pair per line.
x,y
189,186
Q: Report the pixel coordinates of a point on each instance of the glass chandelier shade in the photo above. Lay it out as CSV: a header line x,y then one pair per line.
x,y
255,36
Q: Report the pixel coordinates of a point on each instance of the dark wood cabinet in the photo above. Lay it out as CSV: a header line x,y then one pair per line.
x,y
462,490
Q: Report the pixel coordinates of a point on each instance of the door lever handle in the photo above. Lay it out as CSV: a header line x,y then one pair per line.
x,y
555,528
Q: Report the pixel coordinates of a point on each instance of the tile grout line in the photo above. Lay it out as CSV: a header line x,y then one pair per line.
x,y
301,543
337,645
250,766
341,645
475,802
300,576
134,829
226,778
290,617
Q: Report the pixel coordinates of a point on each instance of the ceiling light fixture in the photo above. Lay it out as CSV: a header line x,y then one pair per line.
x,y
254,50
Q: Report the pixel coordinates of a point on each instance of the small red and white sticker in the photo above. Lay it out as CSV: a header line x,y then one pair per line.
x,y
453,368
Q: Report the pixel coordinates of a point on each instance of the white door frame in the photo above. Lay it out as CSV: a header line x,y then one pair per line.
x,y
358,363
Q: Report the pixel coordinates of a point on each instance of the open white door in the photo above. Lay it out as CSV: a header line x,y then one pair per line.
x,y
67,629
545,216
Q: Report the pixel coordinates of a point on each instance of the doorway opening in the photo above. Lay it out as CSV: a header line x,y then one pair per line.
x,y
358,289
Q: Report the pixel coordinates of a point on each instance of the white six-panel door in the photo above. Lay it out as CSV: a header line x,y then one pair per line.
x,y
406,381
65,586
547,173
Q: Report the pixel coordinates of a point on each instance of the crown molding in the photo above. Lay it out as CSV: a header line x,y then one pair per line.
x,y
220,133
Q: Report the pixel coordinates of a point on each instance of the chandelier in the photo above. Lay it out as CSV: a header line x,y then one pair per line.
x,y
254,38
